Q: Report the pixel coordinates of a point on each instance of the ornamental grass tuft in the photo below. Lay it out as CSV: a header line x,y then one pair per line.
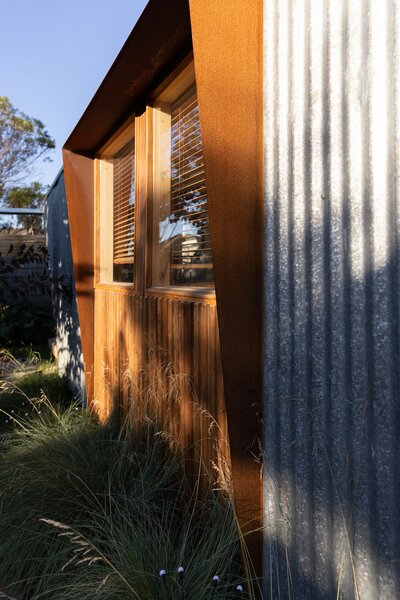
x,y
89,512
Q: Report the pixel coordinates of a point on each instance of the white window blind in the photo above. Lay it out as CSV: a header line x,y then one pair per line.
x,y
190,252
124,212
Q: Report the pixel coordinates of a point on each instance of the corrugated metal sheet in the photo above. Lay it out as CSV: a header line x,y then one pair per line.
x,y
332,279
68,339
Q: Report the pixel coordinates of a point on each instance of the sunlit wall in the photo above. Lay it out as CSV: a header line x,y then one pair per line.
x,y
332,284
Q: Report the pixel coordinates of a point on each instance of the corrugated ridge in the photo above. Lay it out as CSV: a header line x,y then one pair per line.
x,y
332,275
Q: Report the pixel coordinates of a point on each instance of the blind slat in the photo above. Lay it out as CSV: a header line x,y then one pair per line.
x,y
123,261
124,204
184,105
121,214
182,142
188,192
208,265
197,192
123,239
186,169
190,182
188,154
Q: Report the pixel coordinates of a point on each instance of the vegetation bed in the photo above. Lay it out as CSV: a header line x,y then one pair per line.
x,y
90,512
26,381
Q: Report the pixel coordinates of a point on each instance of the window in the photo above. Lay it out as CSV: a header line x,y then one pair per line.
x,y
182,245
124,213
168,206
117,210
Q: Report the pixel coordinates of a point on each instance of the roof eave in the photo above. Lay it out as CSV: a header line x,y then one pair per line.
x,y
158,41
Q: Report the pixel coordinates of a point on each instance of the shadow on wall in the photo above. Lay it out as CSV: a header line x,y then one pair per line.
x,y
152,351
332,419
332,305
151,387
331,387
68,340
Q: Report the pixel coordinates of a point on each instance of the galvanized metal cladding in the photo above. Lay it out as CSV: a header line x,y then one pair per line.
x,y
332,279
68,337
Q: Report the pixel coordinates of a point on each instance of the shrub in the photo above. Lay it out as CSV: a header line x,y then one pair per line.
x,y
25,322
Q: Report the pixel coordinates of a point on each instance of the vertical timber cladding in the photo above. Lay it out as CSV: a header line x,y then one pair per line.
x,y
332,281
160,333
227,45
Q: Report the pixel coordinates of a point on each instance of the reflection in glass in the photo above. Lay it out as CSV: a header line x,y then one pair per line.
x,y
124,213
184,227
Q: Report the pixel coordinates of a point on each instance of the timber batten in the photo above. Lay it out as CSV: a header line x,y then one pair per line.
x,y
162,339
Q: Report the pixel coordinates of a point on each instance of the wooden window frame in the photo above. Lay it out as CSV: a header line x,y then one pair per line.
x,y
145,129
105,206
176,85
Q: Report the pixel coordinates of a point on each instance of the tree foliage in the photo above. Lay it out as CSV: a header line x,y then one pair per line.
x,y
23,140
27,196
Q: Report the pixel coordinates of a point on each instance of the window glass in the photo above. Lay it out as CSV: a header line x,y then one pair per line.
x,y
124,213
184,253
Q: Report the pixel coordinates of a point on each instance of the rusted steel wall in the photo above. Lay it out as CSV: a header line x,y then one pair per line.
x,y
79,187
332,278
227,47
164,361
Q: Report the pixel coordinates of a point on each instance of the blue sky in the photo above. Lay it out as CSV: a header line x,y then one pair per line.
x,y
54,55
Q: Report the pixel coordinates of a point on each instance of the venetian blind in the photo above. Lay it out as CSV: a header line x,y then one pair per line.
x,y
124,203
190,254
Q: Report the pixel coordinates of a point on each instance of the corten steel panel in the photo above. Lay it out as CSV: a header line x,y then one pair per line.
x,y
332,281
228,64
227,45
79,185
160,38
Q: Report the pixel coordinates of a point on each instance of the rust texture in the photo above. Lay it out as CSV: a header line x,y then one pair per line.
x,y
79,185
227,45
227,51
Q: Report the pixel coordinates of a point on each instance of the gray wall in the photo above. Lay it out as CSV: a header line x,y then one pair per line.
x,y
332,281
70,358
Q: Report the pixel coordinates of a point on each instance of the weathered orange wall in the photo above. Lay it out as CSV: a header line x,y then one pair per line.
x,y
227,44
79,185
227,40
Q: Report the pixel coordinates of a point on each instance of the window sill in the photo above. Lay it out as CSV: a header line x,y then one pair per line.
x,y
180,293
128,288
194,293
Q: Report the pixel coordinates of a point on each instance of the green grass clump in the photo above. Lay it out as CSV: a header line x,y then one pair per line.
x,y
89,512
21,397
